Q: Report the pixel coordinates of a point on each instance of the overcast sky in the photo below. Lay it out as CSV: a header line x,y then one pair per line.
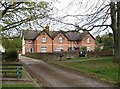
x,y
76,7
73,7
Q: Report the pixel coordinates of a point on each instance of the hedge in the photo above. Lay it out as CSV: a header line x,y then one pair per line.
x,y
52,56
10,56
100,53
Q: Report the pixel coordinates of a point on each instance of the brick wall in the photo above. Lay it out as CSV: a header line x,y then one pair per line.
x,y
47,44
91,44
57,44
53,45
28,45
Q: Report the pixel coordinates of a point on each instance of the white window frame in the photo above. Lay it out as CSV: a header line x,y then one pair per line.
x,y
60,39
43,39
44,49
59,49
88,40
88,48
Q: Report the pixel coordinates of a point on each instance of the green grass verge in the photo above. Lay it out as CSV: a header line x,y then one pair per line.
x,y
86,58
18,85
103,68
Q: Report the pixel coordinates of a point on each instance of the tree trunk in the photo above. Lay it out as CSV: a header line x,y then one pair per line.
x,y
118,25
115,30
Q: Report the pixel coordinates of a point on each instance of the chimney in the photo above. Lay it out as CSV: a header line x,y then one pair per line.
x,y
47,28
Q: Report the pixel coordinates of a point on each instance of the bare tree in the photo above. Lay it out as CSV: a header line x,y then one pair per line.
x,y
16,16
98,18
115,25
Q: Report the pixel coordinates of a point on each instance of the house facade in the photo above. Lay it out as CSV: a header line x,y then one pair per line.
x,y
51,41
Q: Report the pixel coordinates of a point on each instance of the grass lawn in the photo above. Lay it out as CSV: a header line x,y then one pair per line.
x,y
18,85
91,58
103,68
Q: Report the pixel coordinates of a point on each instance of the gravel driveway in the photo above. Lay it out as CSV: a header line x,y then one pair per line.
x,y
58,77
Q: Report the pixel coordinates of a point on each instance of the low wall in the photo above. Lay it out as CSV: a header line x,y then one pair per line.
x,y
69,54
53,55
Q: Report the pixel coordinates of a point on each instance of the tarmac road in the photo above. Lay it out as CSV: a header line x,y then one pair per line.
x,y
57,77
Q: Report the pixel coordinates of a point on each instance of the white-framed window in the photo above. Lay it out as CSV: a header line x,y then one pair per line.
x,y
60,39
88,48
43,39
43,49
59,49
88,40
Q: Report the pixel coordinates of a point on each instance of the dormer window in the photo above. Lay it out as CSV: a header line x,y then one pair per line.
x,y
60,39
88,40
43,39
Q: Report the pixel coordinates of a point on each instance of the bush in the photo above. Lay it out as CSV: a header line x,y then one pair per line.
x,y
60,55
101,53
83,48
10,56
82,54
53,55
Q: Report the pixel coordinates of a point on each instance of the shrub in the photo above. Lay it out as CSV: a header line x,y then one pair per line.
x,y
53,55
83,48
60,55
10,56
101,53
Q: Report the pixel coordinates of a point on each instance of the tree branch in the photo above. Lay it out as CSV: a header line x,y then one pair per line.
x,y
14,24
11,6
79,28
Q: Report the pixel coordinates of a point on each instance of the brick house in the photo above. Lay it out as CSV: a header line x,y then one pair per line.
x,y
51,41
